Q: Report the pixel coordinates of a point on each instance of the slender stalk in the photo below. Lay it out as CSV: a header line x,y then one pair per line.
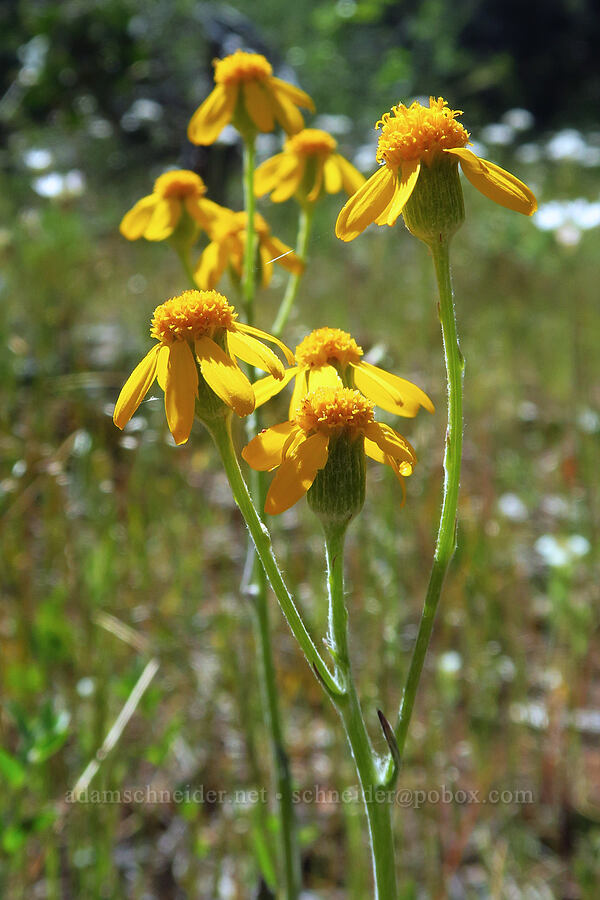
x,y
221,433
304,228
183,252
250,248
283,778
446,539
376,800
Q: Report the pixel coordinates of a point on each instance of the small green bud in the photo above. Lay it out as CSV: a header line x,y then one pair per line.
x,y
338,492
435,209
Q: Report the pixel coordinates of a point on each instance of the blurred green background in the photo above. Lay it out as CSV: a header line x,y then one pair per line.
x,y
119,549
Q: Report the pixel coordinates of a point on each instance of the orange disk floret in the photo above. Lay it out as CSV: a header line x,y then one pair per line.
x,y
191,315
311,142
240,67
419,132
329,409
326,344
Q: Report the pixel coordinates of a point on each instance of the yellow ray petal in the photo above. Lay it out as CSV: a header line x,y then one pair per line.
x,y
225,377
263,336
163,220
287,114
373,451
495,183
205,212
135,388
394,394
268,175
281,254
366,204
300,389
290,180
318,183
407,179
352,179
333,175
296,473
266,264
135,221
322,376
161,366
268,387
392,444
255,353
258,106
213,115
181,390
292,93
264,451
211,265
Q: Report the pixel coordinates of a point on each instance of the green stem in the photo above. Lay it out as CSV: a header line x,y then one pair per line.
x,y
250,247
377,802
446,539
304,228
221,433
183,252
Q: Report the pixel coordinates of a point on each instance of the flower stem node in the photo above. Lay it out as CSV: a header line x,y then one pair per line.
x,y
338,492
435,210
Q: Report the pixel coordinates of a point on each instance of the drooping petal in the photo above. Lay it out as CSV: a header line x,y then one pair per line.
x,y
136,387
318,183
296,473
373,451
287,114
290,180
205,212
274,170
366,204
258,106
407,179
495,183
392,444
163,220
352,179
225,377
282,254
181,390
266,264
213,115
270,338
322,376
264,451
268,387
300,389
135,221
211,265
255,353
161,366
295,94
394,394
333,175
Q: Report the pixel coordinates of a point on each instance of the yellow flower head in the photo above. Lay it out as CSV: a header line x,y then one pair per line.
x,y
227,247
156,216
413,137
300,446
198,329
244,84
308,164
331,357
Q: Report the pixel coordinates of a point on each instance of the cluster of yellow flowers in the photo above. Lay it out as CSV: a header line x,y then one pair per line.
x,y
198,333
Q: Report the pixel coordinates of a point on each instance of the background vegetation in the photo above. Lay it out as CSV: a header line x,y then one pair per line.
x,y
119,549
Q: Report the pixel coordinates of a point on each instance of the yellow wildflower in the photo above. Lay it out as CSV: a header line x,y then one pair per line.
x,y
300,446
330,357
416,136
227,246
198,329
246,81
156,216
307,165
